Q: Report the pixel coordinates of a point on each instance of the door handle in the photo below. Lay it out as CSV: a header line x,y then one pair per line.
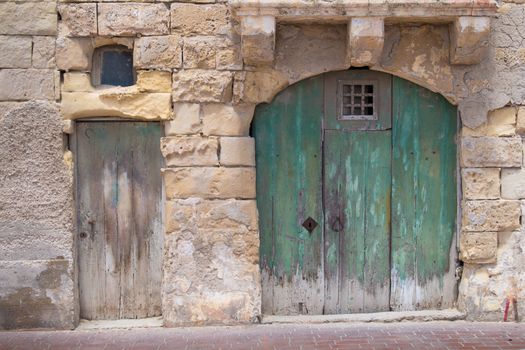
x,y
337,225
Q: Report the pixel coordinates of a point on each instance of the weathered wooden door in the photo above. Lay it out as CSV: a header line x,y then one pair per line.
x,y
289,192
356,198
119,219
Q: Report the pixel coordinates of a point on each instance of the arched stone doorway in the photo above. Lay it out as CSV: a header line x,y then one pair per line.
x,y
356,192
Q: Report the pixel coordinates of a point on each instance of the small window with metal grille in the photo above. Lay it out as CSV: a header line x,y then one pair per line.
x,y
113,65
357,100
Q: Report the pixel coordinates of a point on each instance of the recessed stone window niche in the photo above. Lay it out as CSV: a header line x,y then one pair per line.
x,y
113,65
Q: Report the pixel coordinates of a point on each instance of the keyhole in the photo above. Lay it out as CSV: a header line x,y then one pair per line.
x,y
310,224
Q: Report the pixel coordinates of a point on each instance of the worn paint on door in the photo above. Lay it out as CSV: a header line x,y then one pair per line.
x,y
289,163
357,184
119,219
423,199
387,218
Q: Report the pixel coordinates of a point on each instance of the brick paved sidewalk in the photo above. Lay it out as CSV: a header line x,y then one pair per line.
x,y
435,335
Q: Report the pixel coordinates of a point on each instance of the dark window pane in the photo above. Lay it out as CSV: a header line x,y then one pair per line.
x,y
117,68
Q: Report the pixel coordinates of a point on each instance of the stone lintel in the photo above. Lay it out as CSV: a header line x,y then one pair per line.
x,y
258,39
148,99
285,10
469,24
469,39
365,40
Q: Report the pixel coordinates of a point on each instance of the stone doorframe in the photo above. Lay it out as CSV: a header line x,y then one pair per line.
x,y
211,252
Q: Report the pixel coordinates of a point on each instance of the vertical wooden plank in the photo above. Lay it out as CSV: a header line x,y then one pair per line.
x,y
146,207
357,214
97,254
378,184
150,190
288,144
127,229
110,192
423,198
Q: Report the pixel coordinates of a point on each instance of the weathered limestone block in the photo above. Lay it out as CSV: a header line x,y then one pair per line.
x,y
153,81
200,52
366,36
258,39
469,39
129,19
37,294
224,214
15,52
194,19
229,56
481,183
212,277
478,247
74,53
161,52
306,50
208,52
186,120
223,120
27,84
100,41
491,215
520,123
483,288
28,18
491,152
68,127
205,182
259,86
513,183
190,151
188,214
77,82
237,151
501,122
198,85
78,19
117,102
44,52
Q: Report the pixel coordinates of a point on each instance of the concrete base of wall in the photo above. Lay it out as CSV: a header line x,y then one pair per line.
x,y
420,316
151,322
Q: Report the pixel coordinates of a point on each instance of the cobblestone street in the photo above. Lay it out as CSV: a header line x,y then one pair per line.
x,y
407,335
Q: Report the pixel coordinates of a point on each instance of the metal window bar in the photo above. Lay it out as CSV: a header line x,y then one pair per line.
x,y
357,100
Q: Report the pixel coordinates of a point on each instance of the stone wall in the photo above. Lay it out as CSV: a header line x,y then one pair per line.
x,y
492,243
187,58
202,70
37,270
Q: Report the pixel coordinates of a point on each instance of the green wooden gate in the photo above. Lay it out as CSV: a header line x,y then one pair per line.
x,y
356,191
